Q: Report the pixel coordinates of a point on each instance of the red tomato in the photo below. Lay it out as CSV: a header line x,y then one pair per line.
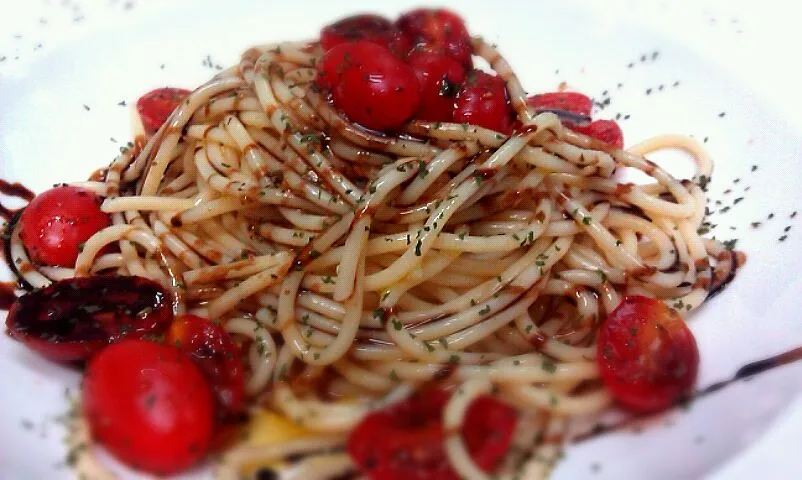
x,y
411,433
647,355
370,85
372,28
440,78
607,131
567,101
149,405
217,356
483,101
73,319
439,30
156,106
56,222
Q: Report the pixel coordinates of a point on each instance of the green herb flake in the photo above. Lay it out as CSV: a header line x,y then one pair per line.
x,y
422,170
548,366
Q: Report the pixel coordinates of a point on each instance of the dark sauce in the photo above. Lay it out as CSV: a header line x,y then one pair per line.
x,y
16,190
268,473
7,296
566,116
13,190
12,217
736,260
744,373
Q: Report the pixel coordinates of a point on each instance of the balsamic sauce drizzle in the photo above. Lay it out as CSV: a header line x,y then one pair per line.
x,y
11,216
13,190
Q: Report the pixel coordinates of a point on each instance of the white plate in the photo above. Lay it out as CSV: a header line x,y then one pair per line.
x,y
61,81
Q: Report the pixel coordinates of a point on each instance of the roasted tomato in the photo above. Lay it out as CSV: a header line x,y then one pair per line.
x,y
149,405
483,101
370,85
438,30
440,78
572,102
574,108
58,221
371,28
72,319
412,445
647,356
216,355
607,131
155,107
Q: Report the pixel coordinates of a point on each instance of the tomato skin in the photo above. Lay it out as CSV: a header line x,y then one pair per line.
x,y
439,77
156,106
217,356
483,101
438,30
412,438
368,27
149,405
647,356
370,85
58,221
72,319
573,102
607,131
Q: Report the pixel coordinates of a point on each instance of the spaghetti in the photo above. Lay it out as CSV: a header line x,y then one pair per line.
x,y
359,266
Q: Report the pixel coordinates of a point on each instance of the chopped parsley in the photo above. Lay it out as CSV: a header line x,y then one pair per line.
x,y
548,366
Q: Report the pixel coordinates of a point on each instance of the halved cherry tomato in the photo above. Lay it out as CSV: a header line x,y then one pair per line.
x,y
438,30
412,438
440,78
607,131
156,106
483,101
647,356
216,355
72,319
149,405
368,27
573,102
56,222
370,85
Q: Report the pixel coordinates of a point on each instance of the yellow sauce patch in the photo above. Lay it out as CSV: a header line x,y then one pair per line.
x,y
270,428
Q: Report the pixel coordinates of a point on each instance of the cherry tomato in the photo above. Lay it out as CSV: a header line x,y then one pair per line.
x,y
156,106
371,28
149,405
217,356
411,433
483,101
567,101
439,30
607,131
440,78
370,85
647,356
56,222
72,319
